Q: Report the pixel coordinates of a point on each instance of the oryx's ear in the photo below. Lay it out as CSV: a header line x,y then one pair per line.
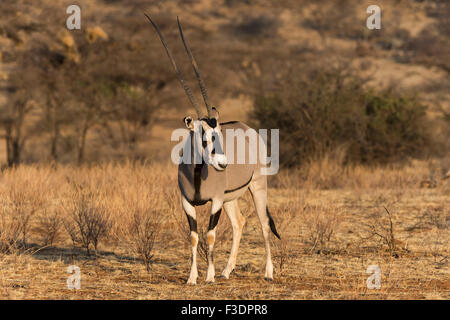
x,y
215,113
189,122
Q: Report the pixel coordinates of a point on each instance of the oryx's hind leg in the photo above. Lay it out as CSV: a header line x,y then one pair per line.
x,y
237,222
192,219
216,210
258,189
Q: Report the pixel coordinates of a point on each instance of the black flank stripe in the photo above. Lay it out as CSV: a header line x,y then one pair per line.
x,y
246,184
229,122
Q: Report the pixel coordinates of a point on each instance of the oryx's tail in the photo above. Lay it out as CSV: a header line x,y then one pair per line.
x,y
272,224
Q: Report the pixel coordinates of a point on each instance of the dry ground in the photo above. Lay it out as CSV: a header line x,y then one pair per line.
x,y
330,236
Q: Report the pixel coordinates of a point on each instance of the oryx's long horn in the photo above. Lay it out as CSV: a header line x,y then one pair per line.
x,y
197,72
177,70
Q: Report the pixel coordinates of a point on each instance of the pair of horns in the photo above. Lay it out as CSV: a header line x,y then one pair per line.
x,y
180,75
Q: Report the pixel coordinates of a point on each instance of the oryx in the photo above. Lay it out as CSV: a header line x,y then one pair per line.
x,y
217,179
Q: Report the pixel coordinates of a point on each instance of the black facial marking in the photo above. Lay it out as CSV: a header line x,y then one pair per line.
x,y
212,122
192,223
214,219
217,146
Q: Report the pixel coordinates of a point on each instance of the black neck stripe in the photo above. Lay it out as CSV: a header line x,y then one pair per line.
x,y
197,182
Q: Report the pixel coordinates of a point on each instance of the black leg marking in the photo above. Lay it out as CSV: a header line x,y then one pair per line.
x,y
272,224
214,219
192,223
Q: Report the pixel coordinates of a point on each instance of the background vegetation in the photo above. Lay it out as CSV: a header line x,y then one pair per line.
x,y
311,68
333,111
86,118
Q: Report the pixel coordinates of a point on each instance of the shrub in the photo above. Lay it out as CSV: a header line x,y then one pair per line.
x,y
10,232
49,227
284,248
381,228
336,19
319,226
87,222
17,214
142,233
429,48
254,27
332,110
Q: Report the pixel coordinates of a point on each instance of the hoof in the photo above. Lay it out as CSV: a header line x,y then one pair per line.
x,y
226,275
268,279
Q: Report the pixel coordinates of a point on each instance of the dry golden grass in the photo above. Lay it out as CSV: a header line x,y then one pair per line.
x,y
332,221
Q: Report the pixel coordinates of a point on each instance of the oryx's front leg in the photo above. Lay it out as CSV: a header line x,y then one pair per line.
x,y
192,219
237,222
216,210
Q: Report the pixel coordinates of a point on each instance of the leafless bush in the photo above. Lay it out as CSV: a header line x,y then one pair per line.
x,y
437,218
382,228
320,225
180,226
49,227
222,231
142,232
87,222
283,249
16,216
202,248
432,217
9,232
